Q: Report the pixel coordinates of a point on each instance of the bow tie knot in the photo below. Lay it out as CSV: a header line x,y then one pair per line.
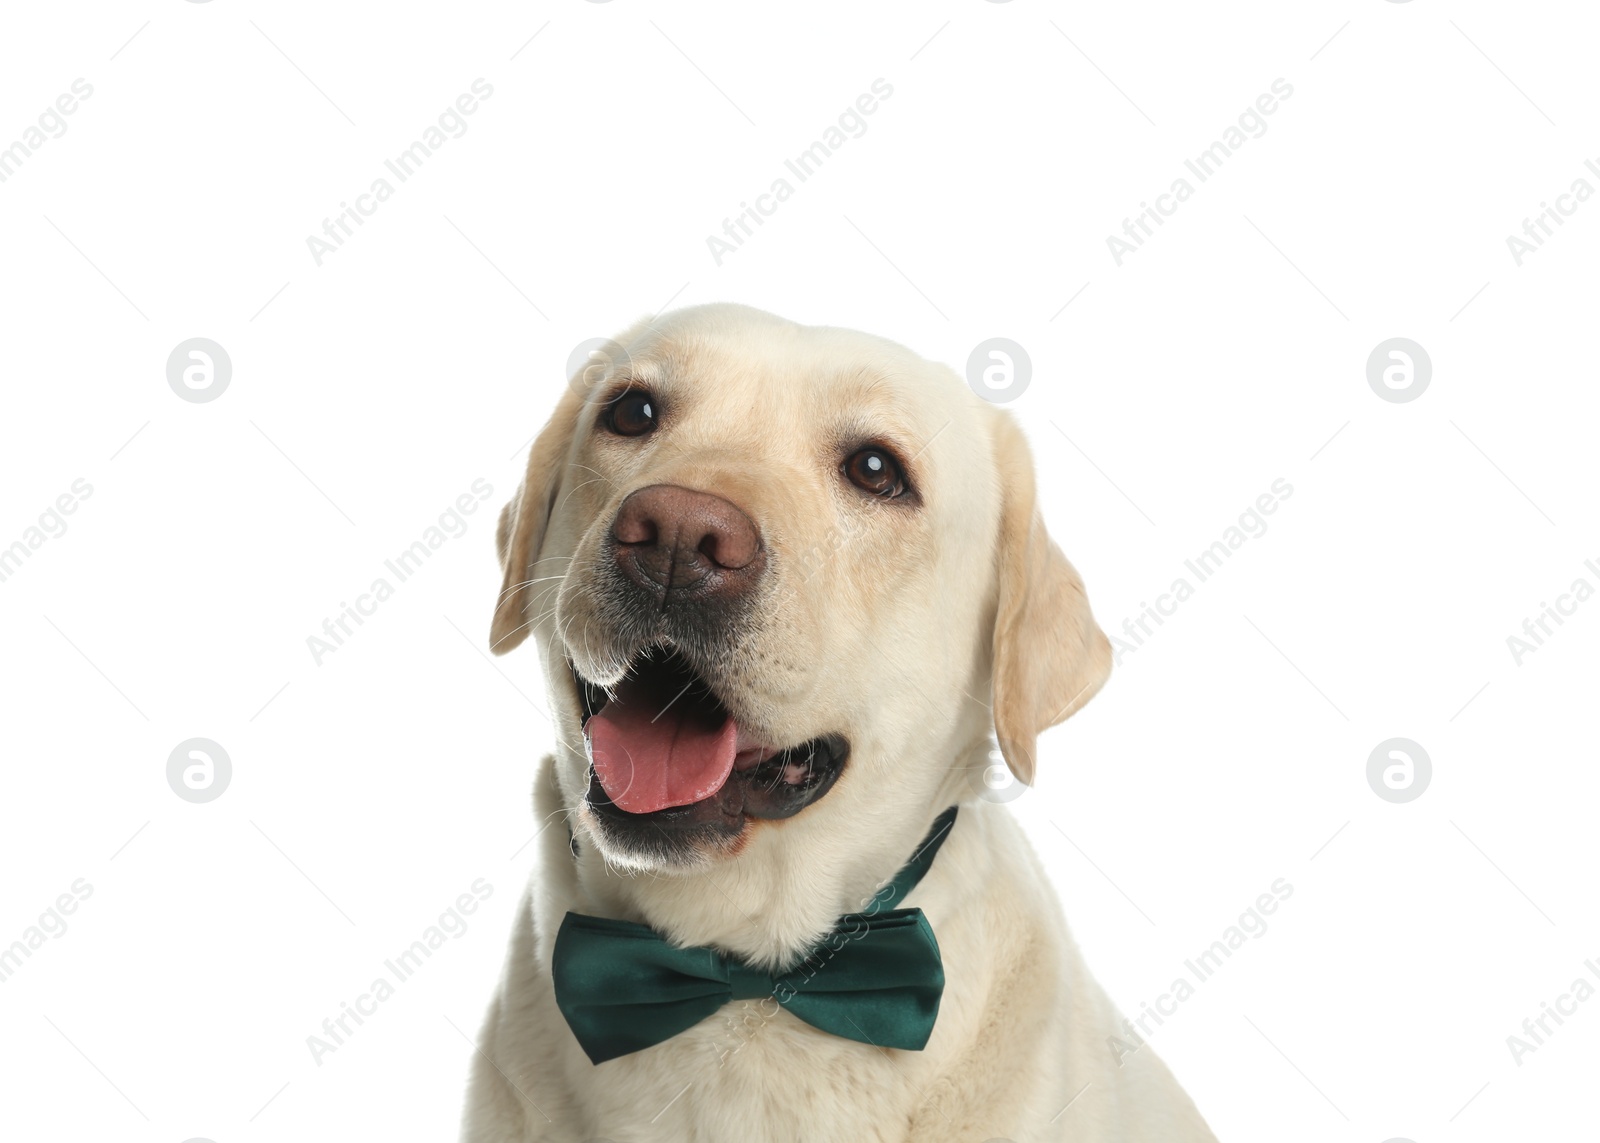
x,y
746,983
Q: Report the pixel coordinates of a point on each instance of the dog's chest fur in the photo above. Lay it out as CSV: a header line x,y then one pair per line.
x,y
750,1074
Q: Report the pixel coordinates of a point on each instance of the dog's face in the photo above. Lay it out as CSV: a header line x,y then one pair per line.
x,y
782,574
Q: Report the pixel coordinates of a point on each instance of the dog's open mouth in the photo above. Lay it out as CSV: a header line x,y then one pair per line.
x,y
664,752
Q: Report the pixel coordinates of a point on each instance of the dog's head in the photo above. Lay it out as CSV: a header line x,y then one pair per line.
x,y
780,577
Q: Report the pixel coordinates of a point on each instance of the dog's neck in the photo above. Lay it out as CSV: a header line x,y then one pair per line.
x,y
891,893
757,908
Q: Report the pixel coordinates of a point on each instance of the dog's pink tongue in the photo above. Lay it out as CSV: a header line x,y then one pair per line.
x,y
649,760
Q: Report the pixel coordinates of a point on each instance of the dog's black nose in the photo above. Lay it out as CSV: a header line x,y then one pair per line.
x,y
693,545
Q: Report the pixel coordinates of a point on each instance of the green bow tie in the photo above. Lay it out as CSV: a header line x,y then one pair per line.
x,y
876,978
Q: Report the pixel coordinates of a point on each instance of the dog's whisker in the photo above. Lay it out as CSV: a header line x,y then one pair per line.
x,y
573,491
547,559
537,579
596,471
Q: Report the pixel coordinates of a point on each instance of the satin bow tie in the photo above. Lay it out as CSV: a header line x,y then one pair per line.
x,y
875,978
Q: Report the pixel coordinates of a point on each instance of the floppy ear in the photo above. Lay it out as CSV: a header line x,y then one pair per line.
x,y
1050,657
523,520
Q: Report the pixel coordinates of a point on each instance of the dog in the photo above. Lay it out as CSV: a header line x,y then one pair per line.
x,y
791,588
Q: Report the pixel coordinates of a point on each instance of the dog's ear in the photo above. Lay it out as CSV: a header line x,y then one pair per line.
x,y
1050,657
523,520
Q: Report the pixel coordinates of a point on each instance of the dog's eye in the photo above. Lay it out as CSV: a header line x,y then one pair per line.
x,y
874,470
631,415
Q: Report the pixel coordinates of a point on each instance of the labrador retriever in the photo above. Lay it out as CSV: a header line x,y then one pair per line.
x,y
791,587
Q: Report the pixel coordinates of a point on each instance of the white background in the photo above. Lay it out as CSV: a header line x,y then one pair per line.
x,y
369,392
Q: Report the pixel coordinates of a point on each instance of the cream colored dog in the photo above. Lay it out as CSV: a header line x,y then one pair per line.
x,y
834,546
